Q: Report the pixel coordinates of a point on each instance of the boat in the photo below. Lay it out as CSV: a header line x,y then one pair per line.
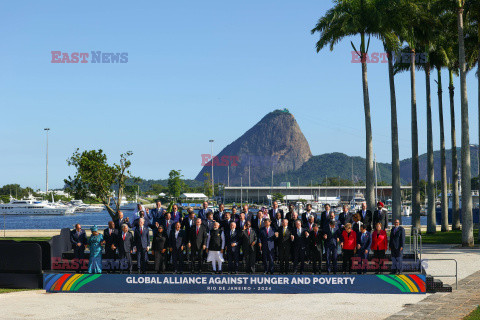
x,y
81,207
356,202
32,206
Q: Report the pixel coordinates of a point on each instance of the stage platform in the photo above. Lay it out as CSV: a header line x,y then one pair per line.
x,y
238,283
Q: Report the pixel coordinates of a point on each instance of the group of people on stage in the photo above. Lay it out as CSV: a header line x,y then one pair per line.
x,y
270,235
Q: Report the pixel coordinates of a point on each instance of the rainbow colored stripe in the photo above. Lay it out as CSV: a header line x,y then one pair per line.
x,y
406,283
67,281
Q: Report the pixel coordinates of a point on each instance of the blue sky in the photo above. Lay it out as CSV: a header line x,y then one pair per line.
x,y
196,71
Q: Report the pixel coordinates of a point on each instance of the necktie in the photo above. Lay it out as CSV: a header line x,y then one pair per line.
x,y
123,237
231,233
267,232
141,231
298,232
110,231
167,225
284,230
249,232
197,231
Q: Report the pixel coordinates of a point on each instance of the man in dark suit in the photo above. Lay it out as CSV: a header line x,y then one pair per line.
x,y
125,246
249,240
209,223
219,214
141,239
344,217
257,224
110,235
228,218
141,214
202,213
396,244
293,218
232,247
325,217
177,241
189,222
121,220
380,215
273,212
78,239
242,221
363,247
310,223
299,238
315,248
283,235
197,241
248,214
157,213
168,223
331,237
366,216
307,214
267,246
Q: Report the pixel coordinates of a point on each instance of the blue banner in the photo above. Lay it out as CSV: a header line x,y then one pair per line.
x,y
167,283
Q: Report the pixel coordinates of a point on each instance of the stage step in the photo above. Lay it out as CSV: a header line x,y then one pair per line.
x,y
436,285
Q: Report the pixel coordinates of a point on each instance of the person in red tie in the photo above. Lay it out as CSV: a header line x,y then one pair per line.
x,y
110,235
267,246
125,246
142,245
249,240
379,246
197,242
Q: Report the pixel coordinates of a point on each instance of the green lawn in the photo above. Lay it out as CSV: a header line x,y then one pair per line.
x,y
11,290
450,237
26,238
475,315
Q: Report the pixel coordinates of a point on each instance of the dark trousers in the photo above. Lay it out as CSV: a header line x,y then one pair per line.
x,y
233,257
364,261
268,260
128,258
177,260
397,261
142,260
299,257
249,257
196,255
110,254
284,257
79,253
316,259
331,258
159,262
347,256
379,258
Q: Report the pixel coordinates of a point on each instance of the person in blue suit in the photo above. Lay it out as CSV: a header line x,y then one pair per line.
x,y
95,244
177,242
267,246
78,239
364,241
300,236
331,235
176,216
397,242
141,240
232,247
202,213
156,215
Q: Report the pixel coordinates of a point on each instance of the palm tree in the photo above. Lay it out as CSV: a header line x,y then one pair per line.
x,y
351,18
455,193
467,218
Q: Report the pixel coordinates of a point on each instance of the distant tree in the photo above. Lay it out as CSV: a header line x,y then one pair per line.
x,y
207,184
175,183
95,175
277,197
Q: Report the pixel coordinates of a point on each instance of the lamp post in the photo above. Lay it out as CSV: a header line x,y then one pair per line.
x,y
46,166
211,156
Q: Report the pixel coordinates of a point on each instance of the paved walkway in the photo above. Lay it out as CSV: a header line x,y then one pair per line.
x,y
455,305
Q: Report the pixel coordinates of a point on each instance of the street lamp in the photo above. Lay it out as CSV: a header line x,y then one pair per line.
x,y
211,157
46,169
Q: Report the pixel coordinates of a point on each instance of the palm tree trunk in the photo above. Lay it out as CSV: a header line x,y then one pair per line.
x,y
396,192
415,169
467,218
370,197
431,223
443,169
455,195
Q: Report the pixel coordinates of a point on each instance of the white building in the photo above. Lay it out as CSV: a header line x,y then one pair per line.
x,y
193,196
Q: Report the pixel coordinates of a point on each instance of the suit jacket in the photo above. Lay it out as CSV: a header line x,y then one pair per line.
x,y
239,226
159,242
248,216
188,226
235,238
324,219
380,216
305,218
315,242
367,219
202,214
247,240
156,215
267,239
124,246
118,223
332,237
299,241
176,216
284,240
110,238
276,224
141,239
273,214
255,225
365,241
76,238
167,229
397,239
177,243
345,218
208,224
198,240
218,216
225,224
308,226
